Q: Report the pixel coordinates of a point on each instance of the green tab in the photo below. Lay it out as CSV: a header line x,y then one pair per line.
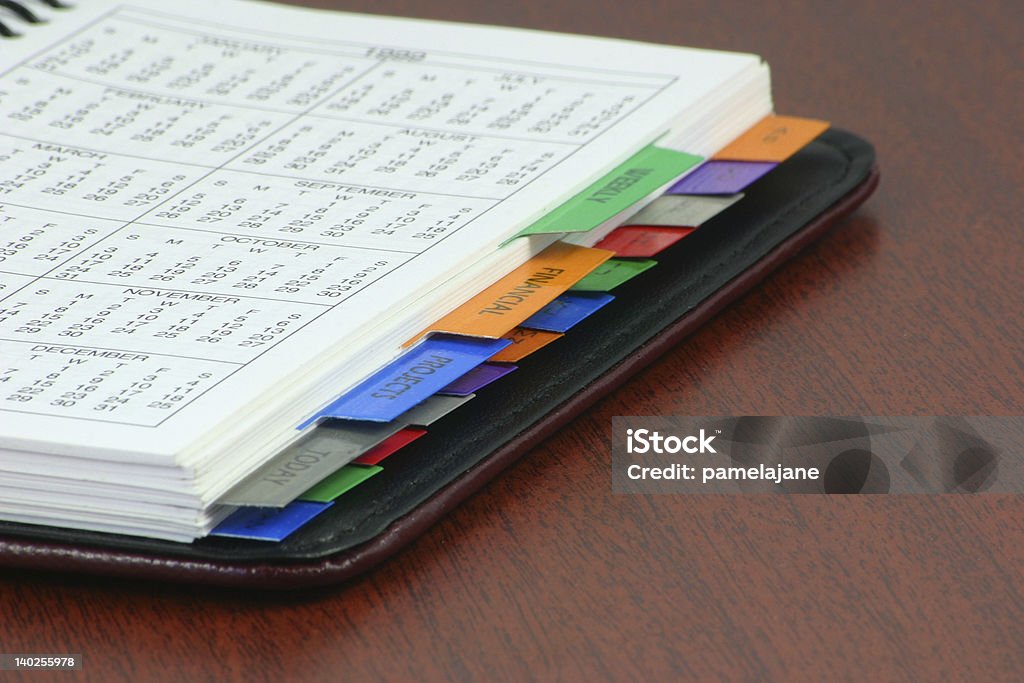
x,y
345,479
616,191
612,273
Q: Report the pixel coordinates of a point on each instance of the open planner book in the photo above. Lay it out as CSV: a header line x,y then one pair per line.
x,y
243,245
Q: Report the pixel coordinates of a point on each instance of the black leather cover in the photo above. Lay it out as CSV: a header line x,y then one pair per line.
x,y
694,279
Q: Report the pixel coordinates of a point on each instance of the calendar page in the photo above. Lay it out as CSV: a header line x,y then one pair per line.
x,y
216,216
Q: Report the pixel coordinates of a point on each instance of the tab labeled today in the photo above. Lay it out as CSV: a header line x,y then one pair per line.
x,y
636,178
327,448
416,375
523,292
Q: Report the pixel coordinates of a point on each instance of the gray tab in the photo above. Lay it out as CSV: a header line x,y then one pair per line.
x,y
684,211
330,446
431,410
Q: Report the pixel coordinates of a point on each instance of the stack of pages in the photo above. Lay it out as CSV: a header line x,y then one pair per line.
x,y
242,245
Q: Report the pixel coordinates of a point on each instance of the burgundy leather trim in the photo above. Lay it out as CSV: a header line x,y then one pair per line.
x,y
29,554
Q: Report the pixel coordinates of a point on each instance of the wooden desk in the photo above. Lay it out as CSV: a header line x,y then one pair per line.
x,y
914,307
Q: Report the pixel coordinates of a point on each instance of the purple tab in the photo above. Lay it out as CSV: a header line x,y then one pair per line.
x,y
721,177
269,524
477,378
566,311
412,378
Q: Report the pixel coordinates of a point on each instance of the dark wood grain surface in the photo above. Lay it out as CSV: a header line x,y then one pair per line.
x,y
914,307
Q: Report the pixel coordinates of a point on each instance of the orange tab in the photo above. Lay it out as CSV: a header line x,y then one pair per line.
x,y
524,342
521,293
773,138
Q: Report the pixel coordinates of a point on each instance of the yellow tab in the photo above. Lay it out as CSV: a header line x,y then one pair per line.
x,y
521,293
524,342
773,138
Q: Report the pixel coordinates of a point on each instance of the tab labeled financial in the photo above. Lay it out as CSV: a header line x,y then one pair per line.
x,y
523,292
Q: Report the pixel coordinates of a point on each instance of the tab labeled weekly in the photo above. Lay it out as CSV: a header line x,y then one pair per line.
x,y
567,311
612,273
417,374
636,178
524,343
773,138
523,292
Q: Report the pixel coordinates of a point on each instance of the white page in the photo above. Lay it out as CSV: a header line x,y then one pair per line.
x,y
190,201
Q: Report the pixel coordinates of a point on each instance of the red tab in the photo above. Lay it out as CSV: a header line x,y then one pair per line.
x,y
642,240
393,443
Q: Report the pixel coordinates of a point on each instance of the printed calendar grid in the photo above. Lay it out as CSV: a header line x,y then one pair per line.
x,y
229,167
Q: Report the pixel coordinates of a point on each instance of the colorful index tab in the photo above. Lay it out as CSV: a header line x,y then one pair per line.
x,y
433,409
477,378
721,177
567,311
682,211
524,343
773,138
523,292
390,446
641,240
612,273
326,448
410,379
269,524
625,185
343,480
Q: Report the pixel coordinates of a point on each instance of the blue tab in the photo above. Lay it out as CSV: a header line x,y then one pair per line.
x,y
421,372
269,524
567,310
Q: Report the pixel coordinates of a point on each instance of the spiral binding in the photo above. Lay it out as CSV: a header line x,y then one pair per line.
x,y
20,10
